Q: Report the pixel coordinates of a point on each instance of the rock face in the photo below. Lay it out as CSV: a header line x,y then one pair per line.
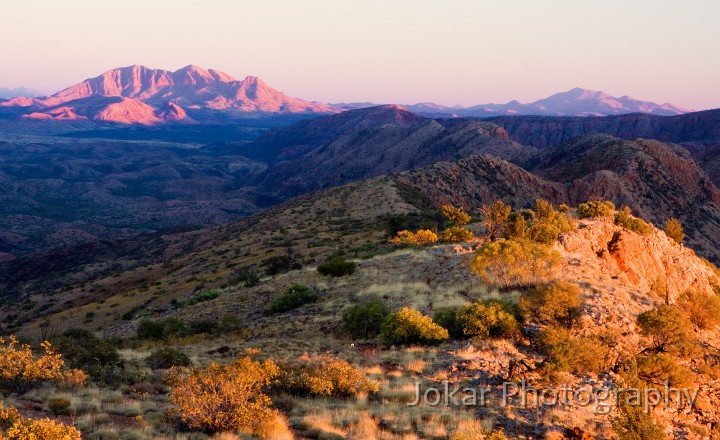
x,y
639,260
146,94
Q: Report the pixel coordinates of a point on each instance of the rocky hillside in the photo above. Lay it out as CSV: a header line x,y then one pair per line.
x,y
696,130
659,181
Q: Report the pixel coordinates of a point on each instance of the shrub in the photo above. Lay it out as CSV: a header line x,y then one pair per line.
x,y
577,355
325,376
633,423
659,368
595,209
423,237
281,263
411,327
82,349
15,427
627,221
489,319
295,296
201,297
548,224
516,227
457,234
702,308
364,320
245,276
59,405
448,319
496,218
223,398
150,329
337,267
515,263
668,327
556,303
658,287
167,357
20,370
674,230
456,215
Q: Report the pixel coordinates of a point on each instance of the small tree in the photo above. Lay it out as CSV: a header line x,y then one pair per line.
x,y
223,398
515,263
495,218
668,327
364,320
556,303
411,327
674,230
661,368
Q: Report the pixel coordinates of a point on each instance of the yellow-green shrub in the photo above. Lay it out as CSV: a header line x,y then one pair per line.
x,y
516,263
555,303
423,237
661,368
668,327
702,308
565,352
489,319
324,376
411,327
593,209
15,427
457,234
223,398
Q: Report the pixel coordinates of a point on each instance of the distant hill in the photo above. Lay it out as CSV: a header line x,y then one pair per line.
x,y
18,91
574,102
140,95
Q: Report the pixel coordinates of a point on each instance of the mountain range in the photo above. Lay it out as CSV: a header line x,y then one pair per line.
x,y
574,102
141,95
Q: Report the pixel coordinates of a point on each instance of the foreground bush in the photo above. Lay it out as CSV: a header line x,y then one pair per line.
x,y
661,368
489,319
595,209
411,327
295,296
556,303
516,263
223,398
702,308
15,427
364,320
337,267
20,370
82,349
565,352
325,376
668,327
423,237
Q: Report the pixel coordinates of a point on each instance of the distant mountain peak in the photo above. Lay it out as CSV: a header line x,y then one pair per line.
x,y
158,96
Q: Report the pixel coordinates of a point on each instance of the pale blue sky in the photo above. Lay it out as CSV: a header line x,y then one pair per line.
x,y
405,51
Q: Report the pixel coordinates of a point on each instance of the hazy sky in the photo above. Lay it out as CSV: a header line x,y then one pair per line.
x,y
404,51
